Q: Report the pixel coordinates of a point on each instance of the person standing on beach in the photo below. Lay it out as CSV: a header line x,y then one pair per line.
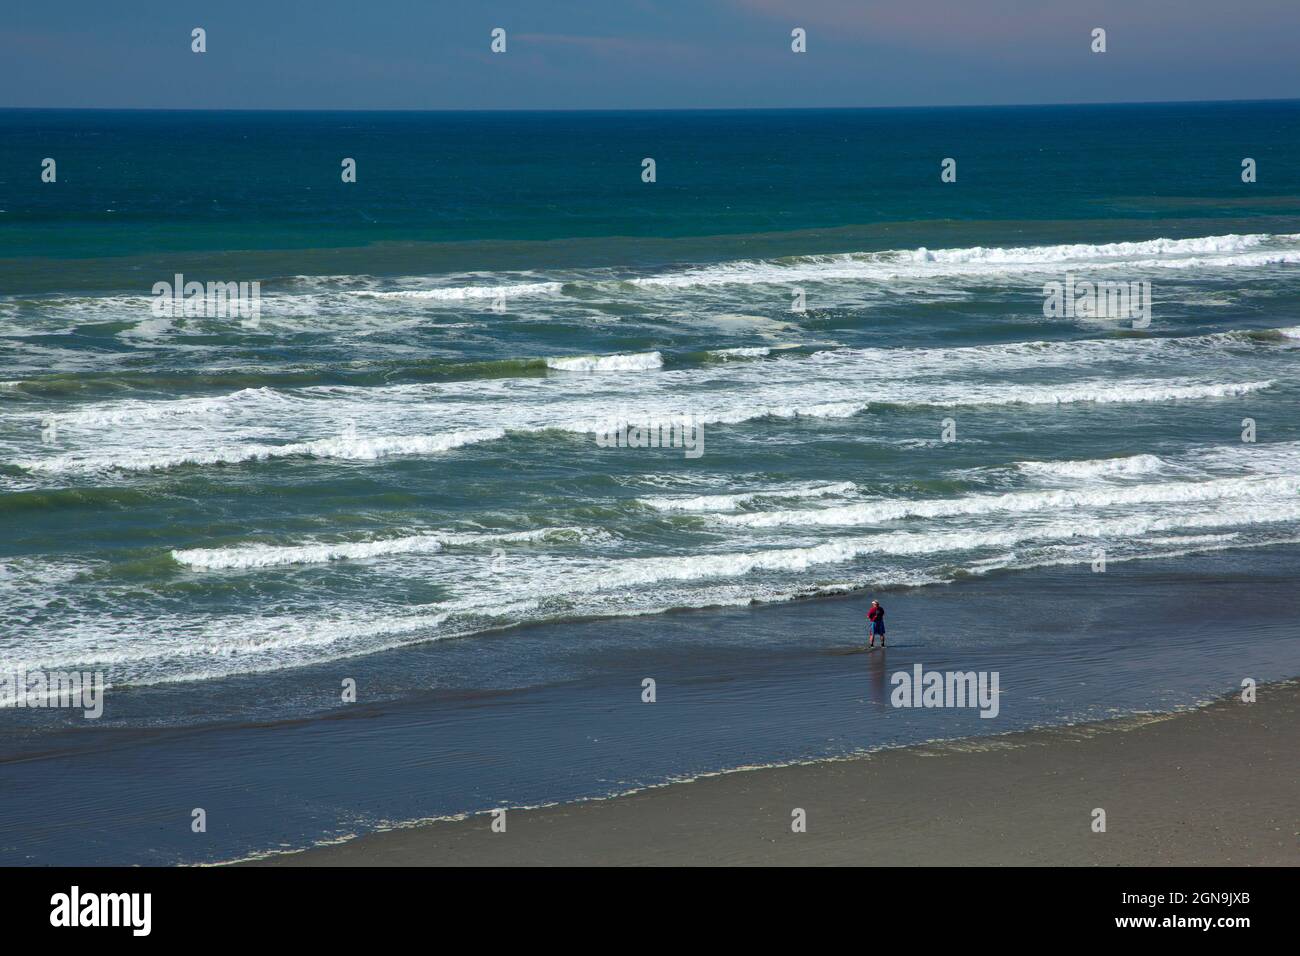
x,y
877,618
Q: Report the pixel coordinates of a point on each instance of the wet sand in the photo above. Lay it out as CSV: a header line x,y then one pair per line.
x,y
1215,786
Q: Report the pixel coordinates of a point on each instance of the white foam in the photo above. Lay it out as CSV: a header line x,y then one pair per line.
x,y
1255,260
219,407
1099,393
1095,468
247,556
642,572
608,363
1255,457
472,422
704,503
831,368
186,647
266,556
1020,502
1202,252
1109,250
355,449
1185,539
459,293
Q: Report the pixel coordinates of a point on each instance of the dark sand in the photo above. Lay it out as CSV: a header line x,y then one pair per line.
x,y
1215,786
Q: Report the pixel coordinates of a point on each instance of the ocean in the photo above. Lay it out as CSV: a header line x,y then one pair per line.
x,y
407,464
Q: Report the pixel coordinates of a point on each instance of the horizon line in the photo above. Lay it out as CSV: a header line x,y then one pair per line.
x,y
642,109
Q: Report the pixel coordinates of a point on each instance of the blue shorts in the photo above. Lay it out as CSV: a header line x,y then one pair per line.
x,y
878,627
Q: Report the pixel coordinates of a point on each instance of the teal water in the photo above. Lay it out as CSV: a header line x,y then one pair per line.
x,y
227,516
139,182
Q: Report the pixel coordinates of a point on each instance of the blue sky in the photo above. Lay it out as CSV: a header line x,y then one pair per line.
x,y
635,54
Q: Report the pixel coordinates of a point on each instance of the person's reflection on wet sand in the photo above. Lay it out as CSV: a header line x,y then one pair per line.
x,y
876,681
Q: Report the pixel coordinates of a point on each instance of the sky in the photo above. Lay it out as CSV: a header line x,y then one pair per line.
x,y
641,54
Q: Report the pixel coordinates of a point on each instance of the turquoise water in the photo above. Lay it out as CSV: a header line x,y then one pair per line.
x,y
227,517
135,183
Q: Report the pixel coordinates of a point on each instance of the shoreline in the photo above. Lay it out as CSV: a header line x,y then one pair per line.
x,y
454,728
1215,785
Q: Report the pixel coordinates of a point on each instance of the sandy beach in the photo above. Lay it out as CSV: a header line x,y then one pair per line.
x,y
1219,785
